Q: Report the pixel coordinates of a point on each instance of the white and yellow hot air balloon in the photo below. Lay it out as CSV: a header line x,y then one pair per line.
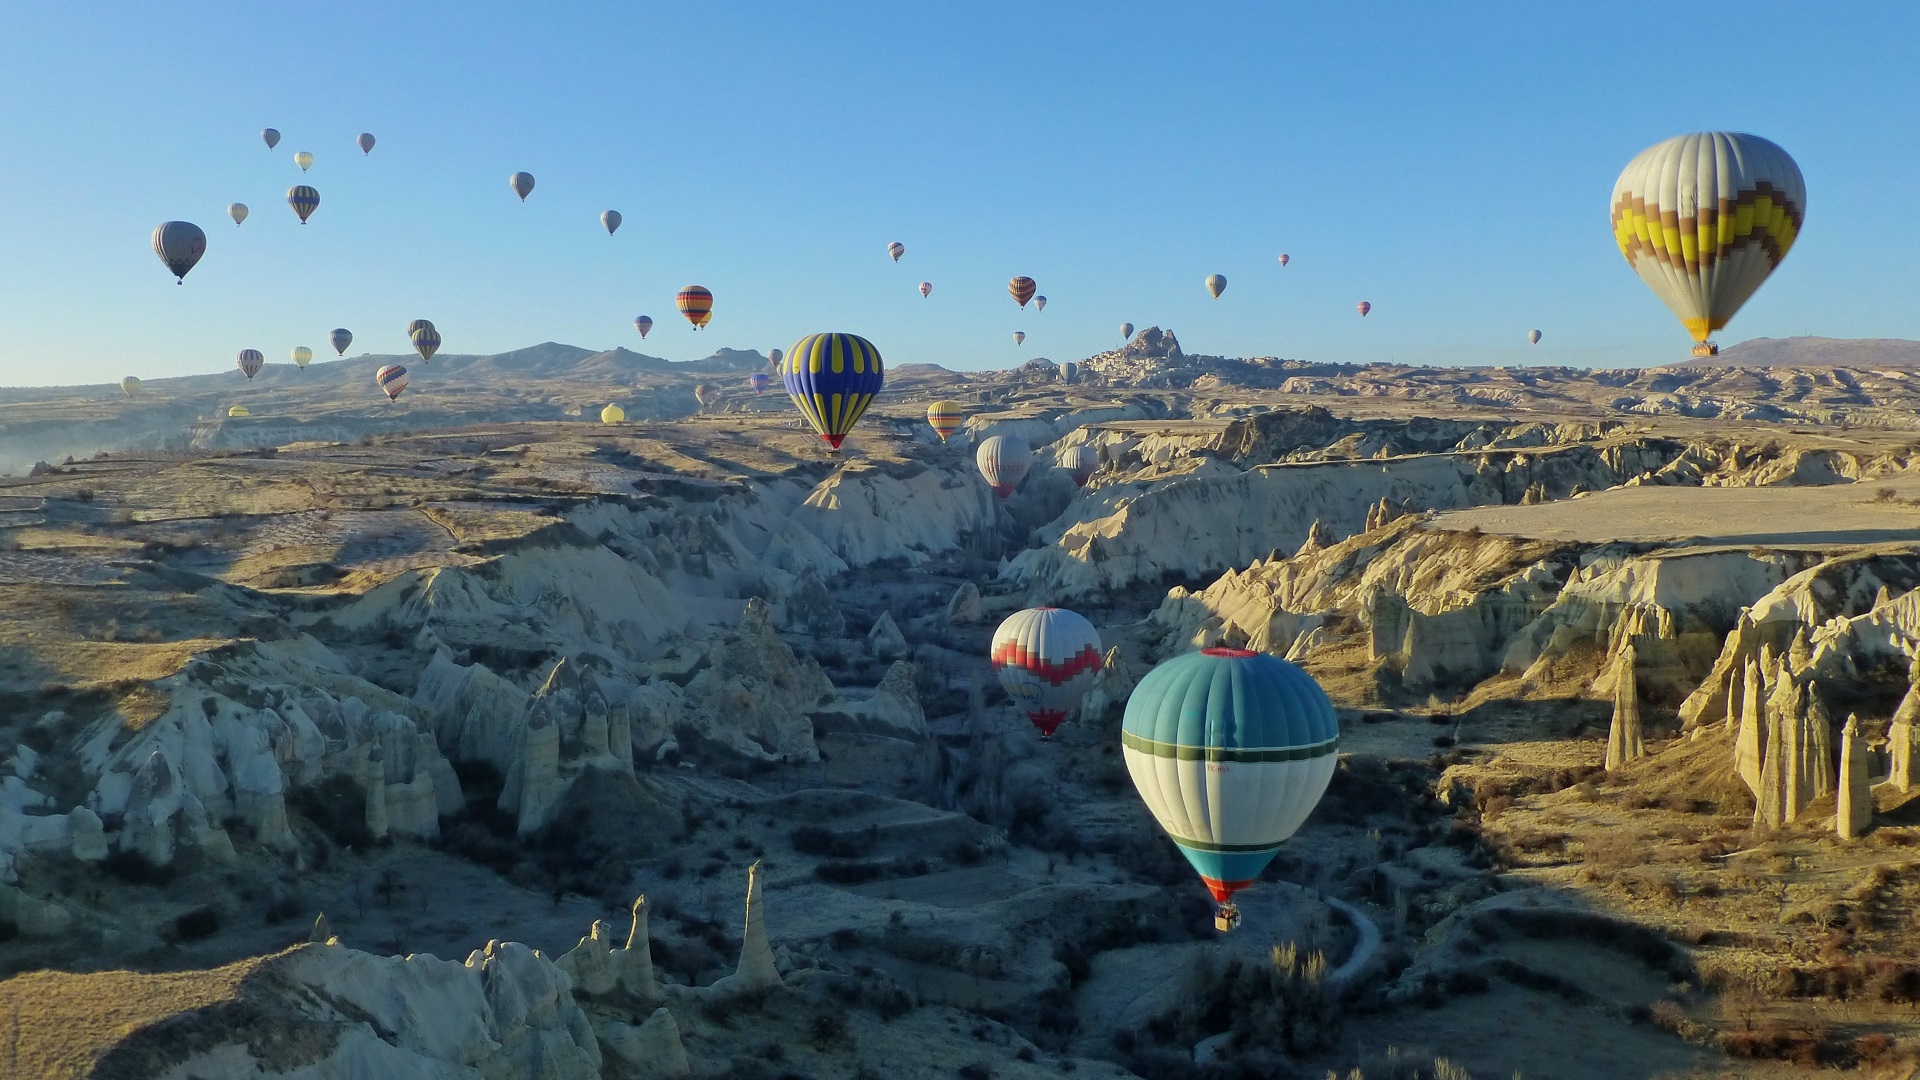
x,y
1704,218
301,356
613,414
130,386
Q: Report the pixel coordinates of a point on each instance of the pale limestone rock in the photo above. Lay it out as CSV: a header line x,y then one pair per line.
x,y
32,917
810,608
756,970
651,1050
259,797
1749,751
322,932
413,810
1110,688
891,708
1318,538
533,786
964,608
477,714
1817,763
886,640
89,836
376,789
1900,738
147,828
594,730
429,762
620,738
590,963
1624,743
1769,809
636,959
754,695
1791,704
542,1031
1854,808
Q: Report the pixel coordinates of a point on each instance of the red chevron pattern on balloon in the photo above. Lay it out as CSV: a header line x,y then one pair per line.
x,y
1011,654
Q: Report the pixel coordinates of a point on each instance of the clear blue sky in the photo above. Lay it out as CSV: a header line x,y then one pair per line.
x,y
1451,168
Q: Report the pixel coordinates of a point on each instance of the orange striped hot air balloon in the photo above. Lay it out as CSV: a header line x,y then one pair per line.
x,y
1022,289
696,303
945,417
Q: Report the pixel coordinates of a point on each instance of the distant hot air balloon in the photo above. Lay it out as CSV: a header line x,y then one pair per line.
x,y
304,160
1022,289
341,337
130,386
1216,284
896,249
611,219
522,184
1039,303
1284,260
613,414
705,394
271,136
249,361
180,245
1230,750
1533,336
1046,659
1081,462
832,379
759,380
304,201
643,323
696,303
1363,307
392,379
773,358
237,211
945,417
1126,331
239,410
426,341
364,142
301,355
1019,337
926,288
415,325
1004,461
1704,219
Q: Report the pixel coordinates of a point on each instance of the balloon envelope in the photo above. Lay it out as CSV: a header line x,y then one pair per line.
x,y
239,410
759,380
1284,260
896,249
1126,331
705,394
1363,307
832,379
237,211
1533,336
1046,659
1004,461
270,136
180,245
301,356
415,325
1230,750
392,379
304,160
1040,303
426,342
926,288
1081,462
522,184
696,303
1021,289
613,414
341,337
643,324
1216,285
304,201
1019,337
249,361
1704,218
945,417
364,142
611,219
130,386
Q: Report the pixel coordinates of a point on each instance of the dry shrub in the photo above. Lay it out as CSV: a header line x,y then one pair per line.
x,y
1774,1042
1645,883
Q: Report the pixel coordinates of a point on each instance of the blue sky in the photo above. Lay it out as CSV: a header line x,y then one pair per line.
x,y
1449,163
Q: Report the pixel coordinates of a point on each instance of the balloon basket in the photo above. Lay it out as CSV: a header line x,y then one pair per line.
x,y
1705,349
1227,918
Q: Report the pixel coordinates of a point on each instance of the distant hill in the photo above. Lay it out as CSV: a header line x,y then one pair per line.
x,y
1816,352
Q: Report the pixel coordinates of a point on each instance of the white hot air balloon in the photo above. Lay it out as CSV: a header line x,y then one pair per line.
x,y
1003,461
1046,659
304,160
237,211
1080,462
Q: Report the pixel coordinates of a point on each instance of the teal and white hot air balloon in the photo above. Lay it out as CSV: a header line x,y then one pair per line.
x,y
1230,750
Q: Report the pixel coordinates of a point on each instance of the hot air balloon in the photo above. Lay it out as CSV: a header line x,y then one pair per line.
x,y
364,142
611,219
341,337
1704,218
1004,461
1019,337
180,245
613,414
304,160
238,212
130,386
1022,289
705,394
773,359
896,249
1230,750
392,379
239,410
301,355
415,325
1126,331
426,341
271,136
1284,260
304,201
1533,337
832,378
1046,658
1081,462
643,323
1363,307
926,288
522,184
249,361
696,303
1216,284
945,417
759,380
1039,303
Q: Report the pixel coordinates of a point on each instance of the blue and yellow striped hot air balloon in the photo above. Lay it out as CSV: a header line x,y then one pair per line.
x,y
832,378
1230,750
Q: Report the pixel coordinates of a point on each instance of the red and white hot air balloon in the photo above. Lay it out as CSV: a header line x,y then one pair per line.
x,y
896,249
1081,462
1046,659
926,287
1004,461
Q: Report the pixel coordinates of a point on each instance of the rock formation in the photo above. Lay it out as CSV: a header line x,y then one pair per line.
x,y
886,640
597,968
1854,806
964,607
1624,743
1749,745
1900,738
756,971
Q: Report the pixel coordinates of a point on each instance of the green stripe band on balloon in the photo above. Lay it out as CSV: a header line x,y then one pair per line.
x,y
1154,748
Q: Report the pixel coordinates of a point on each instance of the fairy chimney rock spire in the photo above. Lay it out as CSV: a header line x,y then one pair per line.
x,y
1854,806
756,969
1624,743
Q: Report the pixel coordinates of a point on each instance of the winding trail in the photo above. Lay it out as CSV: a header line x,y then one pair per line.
x,y
1363,949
